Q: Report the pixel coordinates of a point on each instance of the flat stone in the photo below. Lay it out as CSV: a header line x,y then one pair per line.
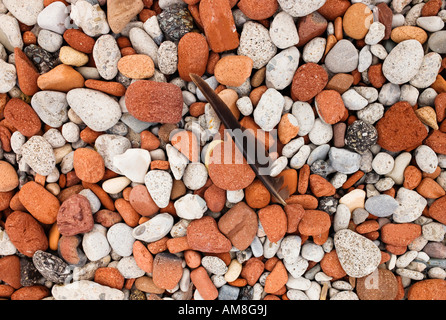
x,y
154,229
381,205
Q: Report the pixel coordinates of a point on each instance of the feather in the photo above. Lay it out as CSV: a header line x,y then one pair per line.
x,y
274,185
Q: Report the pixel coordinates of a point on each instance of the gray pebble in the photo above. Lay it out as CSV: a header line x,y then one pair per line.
x,y
121,239
342,58
39,155
344,161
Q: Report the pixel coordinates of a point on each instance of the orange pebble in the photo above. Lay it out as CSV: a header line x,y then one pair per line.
x,y
149,141
304,178
128,51
239,282
29,38
159,164
109,87
103,196
192,258
158,246
367,226
176,245
204,284
353,179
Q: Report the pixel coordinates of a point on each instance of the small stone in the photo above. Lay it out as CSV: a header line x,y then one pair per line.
x,y
39,155
283,31
168,57
426,159
159,183
120,13
410,205
190,207
53,17
343,160
175,21
233,70
91,18
95,244
24,11
357,20
120,237
269,109
375,34
360,136
133,163
8,76
51,267
342,58
86,290
154,229
106,55
136,66
330,106
193,55
302,8
75,216
309,80
167,270
358,255
10,35
381,205
203,235
386,288
314,50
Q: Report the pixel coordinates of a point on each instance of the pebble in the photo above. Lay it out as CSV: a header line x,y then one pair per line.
x,y
24,11
268,112
357,21
403,62
143,44
233,70
344,161
8,76
410,205
39,155
190,207
167,57
154,229
159,184
86,290
256,43
381,205
283,31
95,244
314,50
91,18
342,58
53,18
133,163
426,159
10,36
300,9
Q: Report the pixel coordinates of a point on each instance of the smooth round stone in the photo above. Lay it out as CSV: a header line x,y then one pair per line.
x,y
375,34
290,248
403,62
304,115
290,149
227,292
321,133
428,71
154,229
345,295
95,203
353,100
372,113
300,8
133,163
10,35
300,158
357,255
214,265
128,267
167,57
110,145
97,110
437,42
268,112
294,294
314,50
431,23
115,185
341,217
365,59
389,94
426,159
378,51
283,31
298,268
121,239
281,68
190,206
26,11
49,40
244,104
344,161
318,153
300,283
312,252
381,205
255,42
159,184
54,18
342,58
106,55
86,290
39,155
51,107
8,76
95,244
410,205
383,163
195,176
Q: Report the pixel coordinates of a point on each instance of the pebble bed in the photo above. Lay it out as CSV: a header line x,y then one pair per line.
x,y
110,186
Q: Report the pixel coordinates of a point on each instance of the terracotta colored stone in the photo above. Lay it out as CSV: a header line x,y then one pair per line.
x,y
218,24
403,33
143,257
320,186
192,258
23,117
412,177
294,213
203,235
314,222
258,10
429,289
68,249
5,138
61,78
437,141
334,8
274,222
431,8
310,26
146,284
400,128
277,278
27,73
109,87
430,189
121,12
149,141
229,176
340,82
240,225
110,277
215,198
158,246
187,143
142,202
88,165
6,291
5,199
167,270
203,283
79,40
307,201
357,20
252,270
330,106
9,179
107,218
75,216
26,233
437,210
10,271
440,106
136,66
379,285
125,209
42,204
400,234
331,265
385,16
257,195
233,70
288,128
376,76
152,101
308,81
367,226
196,109
193,54
35,292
